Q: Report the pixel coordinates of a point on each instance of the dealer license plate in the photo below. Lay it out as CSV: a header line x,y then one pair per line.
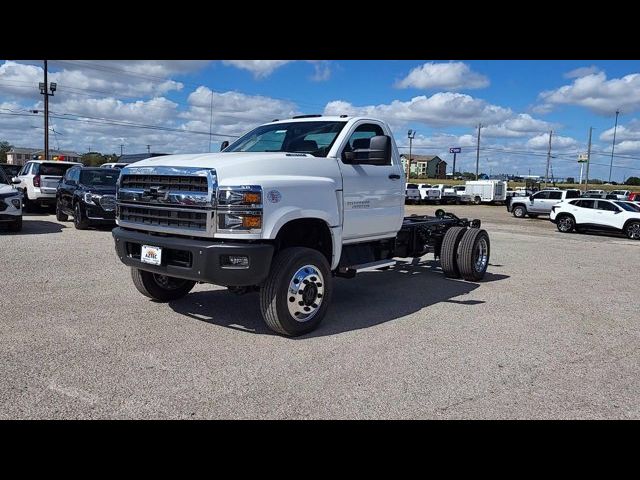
x,y
152,255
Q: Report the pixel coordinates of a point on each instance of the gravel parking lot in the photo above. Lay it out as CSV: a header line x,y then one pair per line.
x,y
552,332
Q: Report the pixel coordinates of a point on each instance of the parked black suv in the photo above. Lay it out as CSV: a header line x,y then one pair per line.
x,y
89,195
10,170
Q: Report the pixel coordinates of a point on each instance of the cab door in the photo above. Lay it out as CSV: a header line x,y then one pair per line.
x,y
373,195
609,215
538,202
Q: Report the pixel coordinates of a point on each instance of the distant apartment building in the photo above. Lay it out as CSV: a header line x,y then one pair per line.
x,y
20,156
430,166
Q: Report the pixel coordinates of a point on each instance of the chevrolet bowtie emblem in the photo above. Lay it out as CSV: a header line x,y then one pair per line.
x,y
155,192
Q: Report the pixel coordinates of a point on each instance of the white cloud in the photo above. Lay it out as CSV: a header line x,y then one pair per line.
x,y
581,72
598,94
20,80
259,68
541,142
439,110
519,126
322,70
452,76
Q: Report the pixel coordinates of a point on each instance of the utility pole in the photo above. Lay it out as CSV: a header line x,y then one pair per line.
x,y
46,113
478,151
44,90
149,149
546,175
613,145
586,181
210,120
121,149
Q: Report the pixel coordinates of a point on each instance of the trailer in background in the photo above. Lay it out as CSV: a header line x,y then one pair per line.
x,y
487,191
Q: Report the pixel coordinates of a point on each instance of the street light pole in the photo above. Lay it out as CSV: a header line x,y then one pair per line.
x,y
410,134
613,145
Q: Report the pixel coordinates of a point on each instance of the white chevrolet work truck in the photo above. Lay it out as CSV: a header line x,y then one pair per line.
x,y
283,210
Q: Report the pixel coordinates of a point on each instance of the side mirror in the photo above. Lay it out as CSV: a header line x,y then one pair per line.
x,y
15,181
224,145
531,197
378,153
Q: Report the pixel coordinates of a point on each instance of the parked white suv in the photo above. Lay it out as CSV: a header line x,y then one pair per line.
x,y
10,204
597,214
540,203
39,181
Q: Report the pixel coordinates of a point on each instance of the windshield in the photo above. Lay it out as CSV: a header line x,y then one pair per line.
x,y
100,177
315,138
629,207
54,169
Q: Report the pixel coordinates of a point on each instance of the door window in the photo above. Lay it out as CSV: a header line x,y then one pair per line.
x,y
361,137
541,196
608,206
555,195
586,203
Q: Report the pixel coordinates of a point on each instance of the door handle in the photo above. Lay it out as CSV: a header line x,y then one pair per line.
x,y
394,176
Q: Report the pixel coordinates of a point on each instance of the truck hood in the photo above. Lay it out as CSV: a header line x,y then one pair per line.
x,y
242,168
220,161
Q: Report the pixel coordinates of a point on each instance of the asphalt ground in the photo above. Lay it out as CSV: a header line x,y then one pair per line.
x,y
552,332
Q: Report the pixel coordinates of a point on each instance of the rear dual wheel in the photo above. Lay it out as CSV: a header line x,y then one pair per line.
x,y
465,253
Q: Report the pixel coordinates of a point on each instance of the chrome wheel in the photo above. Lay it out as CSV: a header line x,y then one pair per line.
x,y
565,224
633,231
518,212
305,293
482,255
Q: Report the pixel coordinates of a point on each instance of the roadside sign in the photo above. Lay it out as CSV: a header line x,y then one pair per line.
x,y
582,158
455,150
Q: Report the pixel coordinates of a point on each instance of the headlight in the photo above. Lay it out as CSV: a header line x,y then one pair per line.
x,y
240,209
91,198
16,202
240,221
241,196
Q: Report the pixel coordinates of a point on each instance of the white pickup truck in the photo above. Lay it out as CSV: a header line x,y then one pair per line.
x,y
282,210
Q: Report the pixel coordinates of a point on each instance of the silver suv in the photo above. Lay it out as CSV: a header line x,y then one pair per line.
x,y
539,203
39,181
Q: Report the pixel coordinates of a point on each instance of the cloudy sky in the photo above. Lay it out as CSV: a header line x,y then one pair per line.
x,y
100,105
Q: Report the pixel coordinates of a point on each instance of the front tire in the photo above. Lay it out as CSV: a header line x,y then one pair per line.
x,y
61,217
477,201
565,224
160,288
519,211
473,258
79,221
295,297
449,251
26,203
633,230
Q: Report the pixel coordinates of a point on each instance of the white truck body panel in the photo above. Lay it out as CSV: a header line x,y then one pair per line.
x,y
487,190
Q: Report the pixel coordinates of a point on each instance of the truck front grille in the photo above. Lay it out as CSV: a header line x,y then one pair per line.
x,y
108,202
182,183
164,217
175,200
